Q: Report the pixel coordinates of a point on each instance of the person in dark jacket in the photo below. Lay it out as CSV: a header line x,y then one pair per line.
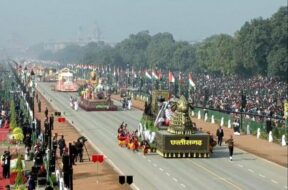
x,y
220,135
46,112
31,182
6,159
61,144
51,121
66,167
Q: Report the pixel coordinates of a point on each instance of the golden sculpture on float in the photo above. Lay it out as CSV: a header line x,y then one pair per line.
x,y
94,97
181,123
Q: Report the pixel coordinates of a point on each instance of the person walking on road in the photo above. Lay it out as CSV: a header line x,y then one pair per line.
x,y
220,135
230,143
46,112
51,121
61,144
36,97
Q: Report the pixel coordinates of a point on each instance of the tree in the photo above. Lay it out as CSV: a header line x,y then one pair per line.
x,y
12,123
277,57
19,169
216,54
160,51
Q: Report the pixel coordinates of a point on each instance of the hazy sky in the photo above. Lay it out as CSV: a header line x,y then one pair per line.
x,y
32,21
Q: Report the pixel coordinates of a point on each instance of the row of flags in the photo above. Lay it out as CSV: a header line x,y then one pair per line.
x,y
153,74
158,76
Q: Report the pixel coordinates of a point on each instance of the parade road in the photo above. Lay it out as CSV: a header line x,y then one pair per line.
x,y
153,172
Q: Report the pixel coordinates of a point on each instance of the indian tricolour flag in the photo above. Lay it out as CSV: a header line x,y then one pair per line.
x,y
171,77
147,75
154,75
191,82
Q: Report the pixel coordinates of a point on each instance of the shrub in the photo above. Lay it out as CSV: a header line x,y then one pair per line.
x,y
17,130
13,123
19,179
19,165
276,133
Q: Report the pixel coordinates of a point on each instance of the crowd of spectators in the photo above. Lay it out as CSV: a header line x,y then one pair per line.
x,y
264,96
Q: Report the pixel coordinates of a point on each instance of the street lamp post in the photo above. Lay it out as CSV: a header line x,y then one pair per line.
x,y
127,71
32,74
243,105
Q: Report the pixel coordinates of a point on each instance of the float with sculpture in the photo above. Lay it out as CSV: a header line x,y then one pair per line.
x,y
94,98
182,139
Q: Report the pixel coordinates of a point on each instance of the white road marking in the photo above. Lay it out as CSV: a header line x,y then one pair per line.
x,y
175,179
241,166
167,174
262,175
184,186
144,156
161,169
219,177
274,181
149,160
155,165
285,187
250,170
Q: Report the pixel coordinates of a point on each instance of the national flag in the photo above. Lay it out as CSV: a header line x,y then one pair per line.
x,y
191,82
180,78
171,77
148,75
160,75
154,75
114,72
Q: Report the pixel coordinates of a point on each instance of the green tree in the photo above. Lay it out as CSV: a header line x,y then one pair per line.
x,y
19,169
12,123
160,51
216,54
183,56
253,44
277,58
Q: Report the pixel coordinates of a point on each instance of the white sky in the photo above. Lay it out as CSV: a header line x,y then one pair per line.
x,y
27,22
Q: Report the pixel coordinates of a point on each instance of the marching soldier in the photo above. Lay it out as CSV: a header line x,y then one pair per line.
x,y
230,143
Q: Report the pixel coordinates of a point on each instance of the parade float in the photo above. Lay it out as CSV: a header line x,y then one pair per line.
x,y
171,135
49,75
66,82
182,139
171,130
152,108
93,97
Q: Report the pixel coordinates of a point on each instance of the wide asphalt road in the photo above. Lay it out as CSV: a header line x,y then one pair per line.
x,y
154,172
